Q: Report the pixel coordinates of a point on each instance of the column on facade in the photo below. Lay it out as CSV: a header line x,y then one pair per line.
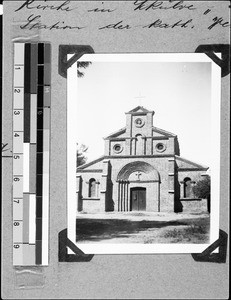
x,y
119,195
127,196
128,146
171,181
123,197
144,145
103,185
148,145
133,142
97,183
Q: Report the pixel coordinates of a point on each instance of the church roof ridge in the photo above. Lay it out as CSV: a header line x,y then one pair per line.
x,y
90,163
115,133
191,162
143,109
165,132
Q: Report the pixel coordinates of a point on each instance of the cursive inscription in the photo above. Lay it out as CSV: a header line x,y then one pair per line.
x,y
33,22
160,24
219,21
175,5
139,8
118,25
101,10
31,4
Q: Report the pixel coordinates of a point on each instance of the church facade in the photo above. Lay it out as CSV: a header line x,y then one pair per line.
x,y
141,170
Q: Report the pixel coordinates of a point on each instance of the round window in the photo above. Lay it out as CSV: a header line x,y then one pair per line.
x,y
160,147
117,148
139,122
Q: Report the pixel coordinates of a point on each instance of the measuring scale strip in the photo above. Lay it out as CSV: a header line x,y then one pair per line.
x,y
18,109
31,134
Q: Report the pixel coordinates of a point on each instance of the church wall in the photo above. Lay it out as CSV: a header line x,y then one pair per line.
x,y
113,150
190,205
157,134
167,188
169,146
194,175
91,206
167,185
161,165
86,203
194,206
147,146
144,129
85,183
138,142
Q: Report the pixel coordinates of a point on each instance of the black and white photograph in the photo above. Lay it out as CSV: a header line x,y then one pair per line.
x,y
115,149
144,148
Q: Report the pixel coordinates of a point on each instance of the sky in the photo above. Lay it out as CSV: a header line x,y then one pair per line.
x,y
178,92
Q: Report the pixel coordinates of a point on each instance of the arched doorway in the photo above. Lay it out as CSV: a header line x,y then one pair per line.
x,y
138,187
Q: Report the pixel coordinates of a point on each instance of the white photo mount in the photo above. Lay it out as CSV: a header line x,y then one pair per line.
x,y
72,98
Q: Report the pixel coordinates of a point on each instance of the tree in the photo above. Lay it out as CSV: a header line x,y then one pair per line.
x,y
84,65
202,190
80,155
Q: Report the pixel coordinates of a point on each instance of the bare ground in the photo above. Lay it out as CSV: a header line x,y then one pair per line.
x,y
142,227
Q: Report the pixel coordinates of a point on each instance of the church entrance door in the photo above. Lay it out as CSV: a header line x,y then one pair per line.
x,y
138,199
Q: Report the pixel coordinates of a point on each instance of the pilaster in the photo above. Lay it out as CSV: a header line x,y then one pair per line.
x,y
171,182
103,185
148,146
129,124
128,146
149,123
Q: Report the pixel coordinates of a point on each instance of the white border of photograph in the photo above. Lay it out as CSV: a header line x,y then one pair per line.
x,y
72,93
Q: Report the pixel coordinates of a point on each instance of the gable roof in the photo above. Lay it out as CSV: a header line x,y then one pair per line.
x,y
164,132
90,163
185,164
123,130
139,109
116,133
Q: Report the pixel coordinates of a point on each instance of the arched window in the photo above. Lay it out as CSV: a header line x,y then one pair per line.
x,y
139,145
188,192
92,187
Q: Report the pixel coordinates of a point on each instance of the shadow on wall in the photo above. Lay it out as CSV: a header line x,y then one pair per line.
x,y
109,202
80,200
178,207
208,204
